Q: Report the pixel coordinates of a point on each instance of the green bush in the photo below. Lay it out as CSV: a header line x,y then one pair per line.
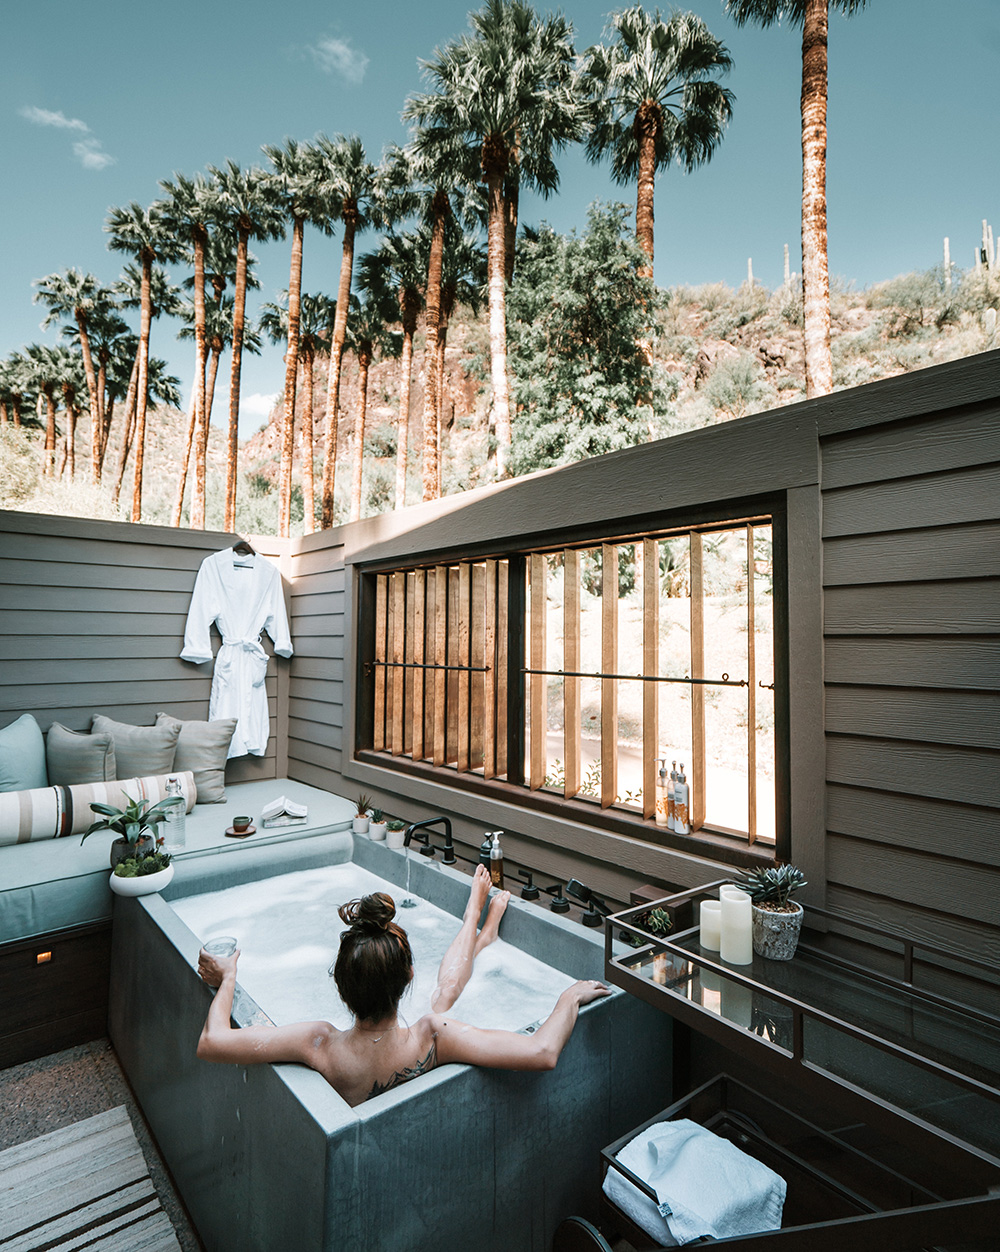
x,y
20,465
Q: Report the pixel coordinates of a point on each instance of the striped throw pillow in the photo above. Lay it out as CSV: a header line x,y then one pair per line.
x,y
51,812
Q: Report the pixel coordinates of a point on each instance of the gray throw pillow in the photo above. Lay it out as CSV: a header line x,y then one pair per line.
x,y
139,750
75,757
202,747
22,755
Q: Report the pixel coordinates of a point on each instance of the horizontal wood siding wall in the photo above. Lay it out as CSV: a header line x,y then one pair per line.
x,y
911,575
316,671
92,619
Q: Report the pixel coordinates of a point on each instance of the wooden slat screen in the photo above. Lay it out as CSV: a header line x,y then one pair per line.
x,y
650,566
696,781
571,661
609,665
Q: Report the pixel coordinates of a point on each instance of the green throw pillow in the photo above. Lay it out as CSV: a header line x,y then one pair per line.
x,y
22,755
75,757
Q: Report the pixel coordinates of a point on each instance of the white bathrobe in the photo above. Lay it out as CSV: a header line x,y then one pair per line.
x,y
243,596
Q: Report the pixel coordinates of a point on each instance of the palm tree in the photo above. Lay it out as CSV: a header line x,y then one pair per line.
x,y
350,179
15,384
105,331
188,211
402,261
317,316
141,232
80,297
72,380
814,18
656,102
371,317
250,205
301,174
463,281
154,292
44,370
507,92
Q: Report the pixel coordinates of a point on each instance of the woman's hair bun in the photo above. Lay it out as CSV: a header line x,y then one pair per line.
x,y
371,913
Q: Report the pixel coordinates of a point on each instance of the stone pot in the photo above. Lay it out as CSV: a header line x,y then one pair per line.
x,y
360,824
376,831
144,886
776,935
394,839
121,849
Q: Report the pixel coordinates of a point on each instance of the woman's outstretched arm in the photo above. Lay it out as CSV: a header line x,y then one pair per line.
x,y
302,1042
503,1049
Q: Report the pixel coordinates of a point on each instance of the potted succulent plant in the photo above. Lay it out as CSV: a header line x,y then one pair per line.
x,y
376,829
361,818
143,874
135,825
394,831
776,919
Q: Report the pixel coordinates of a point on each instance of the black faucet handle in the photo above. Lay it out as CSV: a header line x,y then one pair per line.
x,y
559,902
529,891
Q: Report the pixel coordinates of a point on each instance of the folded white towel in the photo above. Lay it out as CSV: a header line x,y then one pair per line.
x,y
705,1186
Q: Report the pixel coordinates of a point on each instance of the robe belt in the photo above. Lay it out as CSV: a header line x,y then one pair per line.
x,y
253,646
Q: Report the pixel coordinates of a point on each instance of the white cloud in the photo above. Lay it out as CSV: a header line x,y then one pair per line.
x,y
258,405
45,117
336,56
91,156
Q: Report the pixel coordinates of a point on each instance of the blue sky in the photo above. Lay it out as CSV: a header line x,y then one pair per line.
x,y
100,101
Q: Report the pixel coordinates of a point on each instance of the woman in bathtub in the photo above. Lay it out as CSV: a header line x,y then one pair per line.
x,y
373,968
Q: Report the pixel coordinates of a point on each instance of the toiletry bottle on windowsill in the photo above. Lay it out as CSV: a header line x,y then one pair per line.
x,y
662,796
682,821
671,784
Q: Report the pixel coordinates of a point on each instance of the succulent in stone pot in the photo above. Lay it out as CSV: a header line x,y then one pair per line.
x,y
776,918
135,825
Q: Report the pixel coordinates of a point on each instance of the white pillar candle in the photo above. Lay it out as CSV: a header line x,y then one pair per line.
x,y
711,917
729,889
736,946
737,1003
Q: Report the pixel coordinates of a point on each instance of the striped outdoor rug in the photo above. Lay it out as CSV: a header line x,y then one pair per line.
x,y
84,1188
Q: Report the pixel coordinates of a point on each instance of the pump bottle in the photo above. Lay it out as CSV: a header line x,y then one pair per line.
x,y
486,848
671,798
496,862
682,820
662,789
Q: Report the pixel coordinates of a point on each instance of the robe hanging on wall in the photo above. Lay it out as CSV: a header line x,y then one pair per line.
x,y
242,595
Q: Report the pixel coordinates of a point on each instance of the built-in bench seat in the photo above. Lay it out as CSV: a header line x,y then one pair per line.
x,y
57,884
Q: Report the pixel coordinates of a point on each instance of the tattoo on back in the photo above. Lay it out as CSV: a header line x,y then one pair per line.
x,y
404,1075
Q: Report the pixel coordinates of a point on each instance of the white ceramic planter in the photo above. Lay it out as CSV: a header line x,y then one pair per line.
x,y
394,839
144,886
376,831
776,935
360,825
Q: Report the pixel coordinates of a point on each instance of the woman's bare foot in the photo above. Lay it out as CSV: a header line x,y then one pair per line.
x,y
478,894
491,927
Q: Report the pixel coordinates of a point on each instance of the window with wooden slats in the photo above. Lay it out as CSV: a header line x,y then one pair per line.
x,y
567,673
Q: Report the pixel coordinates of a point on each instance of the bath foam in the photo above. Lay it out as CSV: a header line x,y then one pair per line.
x,y
288,932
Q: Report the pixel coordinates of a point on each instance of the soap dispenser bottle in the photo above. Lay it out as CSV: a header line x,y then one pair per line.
x,y
671,797
496,862
682,821
486,848
662,790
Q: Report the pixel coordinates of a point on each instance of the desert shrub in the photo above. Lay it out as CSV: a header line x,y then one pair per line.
x,y
918,300
737,386
20,465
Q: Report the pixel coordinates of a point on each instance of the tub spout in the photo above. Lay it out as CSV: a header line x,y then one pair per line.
x,y
429,849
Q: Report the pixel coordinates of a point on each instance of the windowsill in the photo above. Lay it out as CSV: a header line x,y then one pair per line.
x,y
714,846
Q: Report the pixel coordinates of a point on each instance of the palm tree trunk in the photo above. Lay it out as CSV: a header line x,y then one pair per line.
x,y
213,372
142,386
364,360
175,517
3,412
645,126
447,304
512,188
103,421
403,425
432,317
291,377
308,434
199,435
336,361
49,461
495,243
127,429
815,265
15,406
69,404
92,391
239,309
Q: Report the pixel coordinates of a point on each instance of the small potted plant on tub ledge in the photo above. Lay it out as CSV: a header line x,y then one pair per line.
x,y
776,919
138,866
376,829
361,816
395,831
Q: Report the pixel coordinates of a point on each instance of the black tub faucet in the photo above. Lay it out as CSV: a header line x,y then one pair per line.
x,y
429,849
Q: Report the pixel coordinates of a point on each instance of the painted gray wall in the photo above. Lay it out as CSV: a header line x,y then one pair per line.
x,y
92,618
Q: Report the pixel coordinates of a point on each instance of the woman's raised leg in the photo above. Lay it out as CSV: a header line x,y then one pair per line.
x,y
456,966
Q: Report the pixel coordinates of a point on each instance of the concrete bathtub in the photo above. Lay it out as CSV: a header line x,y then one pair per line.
x,y
270,1157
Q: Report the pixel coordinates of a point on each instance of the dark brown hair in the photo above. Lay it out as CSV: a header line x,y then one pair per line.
x,y
374,964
